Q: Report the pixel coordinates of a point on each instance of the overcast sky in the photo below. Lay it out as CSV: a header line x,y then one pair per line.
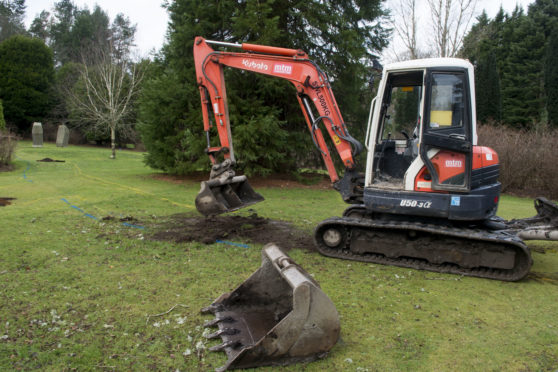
x,y
149,15
151,18
424,26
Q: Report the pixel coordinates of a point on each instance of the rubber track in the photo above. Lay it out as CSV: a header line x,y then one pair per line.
x,y
523,256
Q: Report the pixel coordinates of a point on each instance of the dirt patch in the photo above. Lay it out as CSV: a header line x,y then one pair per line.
x,y
49,160
123,219
6,167
5,201
255,229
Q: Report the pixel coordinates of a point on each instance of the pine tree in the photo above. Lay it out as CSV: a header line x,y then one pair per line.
x,y
519,46
522,102
551,78
26,77
40,27
169,106
2,120
475,37
12,13
481,47
487,89
267,125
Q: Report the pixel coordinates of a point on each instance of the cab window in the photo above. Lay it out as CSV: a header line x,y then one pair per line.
x,y
403,112
447,101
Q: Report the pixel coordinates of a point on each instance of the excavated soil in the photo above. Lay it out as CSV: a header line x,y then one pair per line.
x,y
253,229
5,201
49,160
6,167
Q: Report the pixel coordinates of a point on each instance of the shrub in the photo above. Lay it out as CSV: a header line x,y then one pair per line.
x,y
528,160
7,147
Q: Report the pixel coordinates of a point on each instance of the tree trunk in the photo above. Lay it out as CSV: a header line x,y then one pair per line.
x,y
113,142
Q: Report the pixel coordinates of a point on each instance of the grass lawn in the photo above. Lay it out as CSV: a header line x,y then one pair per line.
x,y
81,293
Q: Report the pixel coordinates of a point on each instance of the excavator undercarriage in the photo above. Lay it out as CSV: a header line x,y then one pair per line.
x,y
425,245
492,249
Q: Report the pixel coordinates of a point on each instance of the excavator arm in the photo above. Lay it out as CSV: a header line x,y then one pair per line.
x,y
313,90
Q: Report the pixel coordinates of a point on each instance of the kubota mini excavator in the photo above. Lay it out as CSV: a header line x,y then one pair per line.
x,y
429,195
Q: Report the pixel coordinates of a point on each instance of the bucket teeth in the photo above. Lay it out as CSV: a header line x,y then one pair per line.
x,y
215,322
211,309
221,347
224,331
278,316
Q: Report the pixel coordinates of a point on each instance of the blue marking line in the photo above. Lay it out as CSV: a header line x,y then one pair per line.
x,y
134,226
97,219
25,171
232,243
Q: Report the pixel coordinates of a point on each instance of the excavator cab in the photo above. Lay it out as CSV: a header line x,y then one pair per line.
x,y
423,158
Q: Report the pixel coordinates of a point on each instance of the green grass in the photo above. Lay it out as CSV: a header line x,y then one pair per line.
x,y
79,293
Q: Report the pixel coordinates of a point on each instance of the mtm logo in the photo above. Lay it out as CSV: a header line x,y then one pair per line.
x,y
454,163
283,69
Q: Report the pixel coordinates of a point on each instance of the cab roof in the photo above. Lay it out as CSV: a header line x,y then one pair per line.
x,y
420,64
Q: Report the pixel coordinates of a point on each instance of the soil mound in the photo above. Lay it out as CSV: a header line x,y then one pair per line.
x,y
5,201
49,160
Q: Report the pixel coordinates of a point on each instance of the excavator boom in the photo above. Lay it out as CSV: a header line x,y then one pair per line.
x,y
223,192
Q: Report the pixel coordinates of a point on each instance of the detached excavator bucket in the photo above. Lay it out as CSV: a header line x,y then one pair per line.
x,y
278,316
222,195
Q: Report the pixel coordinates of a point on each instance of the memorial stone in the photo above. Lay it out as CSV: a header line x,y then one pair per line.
x,y
62,136
37,133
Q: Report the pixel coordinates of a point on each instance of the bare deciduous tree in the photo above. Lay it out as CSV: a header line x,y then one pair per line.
x,y
451,20
104,93
405,25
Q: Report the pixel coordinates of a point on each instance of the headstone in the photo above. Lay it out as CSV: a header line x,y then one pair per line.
x,y
62,136
37,133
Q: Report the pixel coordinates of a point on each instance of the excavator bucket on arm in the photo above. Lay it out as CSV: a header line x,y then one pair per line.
x,y
225,192
278,316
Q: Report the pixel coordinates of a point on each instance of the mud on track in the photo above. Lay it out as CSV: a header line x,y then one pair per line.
x,y
251,229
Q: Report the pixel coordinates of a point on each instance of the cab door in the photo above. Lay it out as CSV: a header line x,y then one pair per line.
x,y
446,143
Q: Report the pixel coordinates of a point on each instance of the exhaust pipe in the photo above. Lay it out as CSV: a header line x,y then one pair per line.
x,y
278,316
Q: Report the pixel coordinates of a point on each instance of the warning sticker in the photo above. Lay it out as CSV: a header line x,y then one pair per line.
x,y
336,140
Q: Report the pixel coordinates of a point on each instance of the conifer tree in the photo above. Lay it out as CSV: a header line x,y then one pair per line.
x,y
12,13
487,89
522,71
551,78
2,120
26,76
267,125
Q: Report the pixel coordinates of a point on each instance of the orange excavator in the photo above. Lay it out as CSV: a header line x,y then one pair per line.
x,y
429,195
427,199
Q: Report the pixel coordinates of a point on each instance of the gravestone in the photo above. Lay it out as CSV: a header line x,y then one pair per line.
x,y
62,136
37,133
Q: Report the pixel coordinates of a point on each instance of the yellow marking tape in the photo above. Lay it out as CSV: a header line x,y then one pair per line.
x,y
125,187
